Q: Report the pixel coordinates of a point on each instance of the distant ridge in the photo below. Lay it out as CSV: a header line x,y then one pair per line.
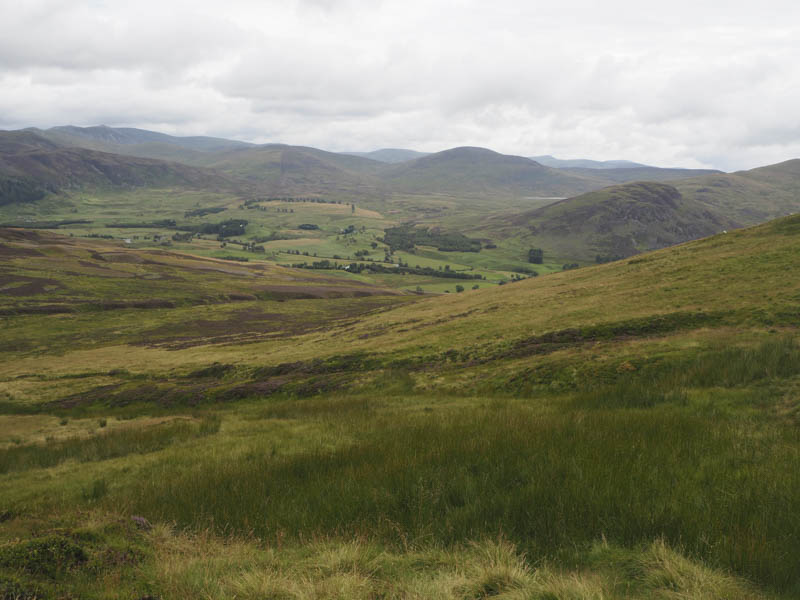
x,y
103,135
585,163
390,155
34,164
286,170
470,170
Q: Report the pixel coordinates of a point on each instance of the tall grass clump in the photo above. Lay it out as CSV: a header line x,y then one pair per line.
x,y
777,358
111,444
773,359
545,481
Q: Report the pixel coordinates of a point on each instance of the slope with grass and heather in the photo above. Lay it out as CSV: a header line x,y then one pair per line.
x,y
27,156
619,221
479,172
627,430
749,197
628,174
281,170
140,142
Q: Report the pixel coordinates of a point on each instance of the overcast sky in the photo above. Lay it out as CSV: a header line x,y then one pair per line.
x,y
692,83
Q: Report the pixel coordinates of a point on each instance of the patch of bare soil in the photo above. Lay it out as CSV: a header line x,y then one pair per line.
x,y
250,325
121,257
14,234
20,285
241,326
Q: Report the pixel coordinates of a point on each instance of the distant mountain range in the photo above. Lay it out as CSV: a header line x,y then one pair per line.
x,y
278,169
609,211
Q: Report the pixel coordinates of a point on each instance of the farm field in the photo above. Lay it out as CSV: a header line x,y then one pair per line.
x,y
178,425
285,232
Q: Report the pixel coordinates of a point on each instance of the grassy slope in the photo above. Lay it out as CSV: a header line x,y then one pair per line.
x,y
749,197
481,172
643,173
623,219
635,402
28,155
619,221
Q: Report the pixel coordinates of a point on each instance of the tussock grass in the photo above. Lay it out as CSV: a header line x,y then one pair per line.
x,y
730,367
111,444
546,481
204,566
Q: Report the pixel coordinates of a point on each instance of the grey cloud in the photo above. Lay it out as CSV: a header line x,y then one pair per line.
x,y
83,36
683,85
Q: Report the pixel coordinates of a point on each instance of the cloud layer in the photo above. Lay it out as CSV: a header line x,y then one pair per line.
x,y
686,85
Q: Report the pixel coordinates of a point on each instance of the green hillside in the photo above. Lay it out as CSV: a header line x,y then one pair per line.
x,y
643,173
481,172
280,170
140,142
619,221
627,430
28,156
752,196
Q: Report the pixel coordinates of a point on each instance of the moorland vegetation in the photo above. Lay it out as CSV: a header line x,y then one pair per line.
x,y
184,416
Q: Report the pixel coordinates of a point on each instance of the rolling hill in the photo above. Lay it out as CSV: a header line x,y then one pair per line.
x,y
749,197
30,159
279,169
476,191
140,142
629,174
481,172
619,221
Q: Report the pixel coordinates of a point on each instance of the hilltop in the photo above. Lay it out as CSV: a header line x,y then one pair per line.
x,y
281,170
140,142
479,171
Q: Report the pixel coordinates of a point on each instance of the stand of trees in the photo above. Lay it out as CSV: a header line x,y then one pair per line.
x,y
536,256
13,189
405,237
378,268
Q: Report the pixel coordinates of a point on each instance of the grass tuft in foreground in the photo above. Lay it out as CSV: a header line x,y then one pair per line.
x,y
546,481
